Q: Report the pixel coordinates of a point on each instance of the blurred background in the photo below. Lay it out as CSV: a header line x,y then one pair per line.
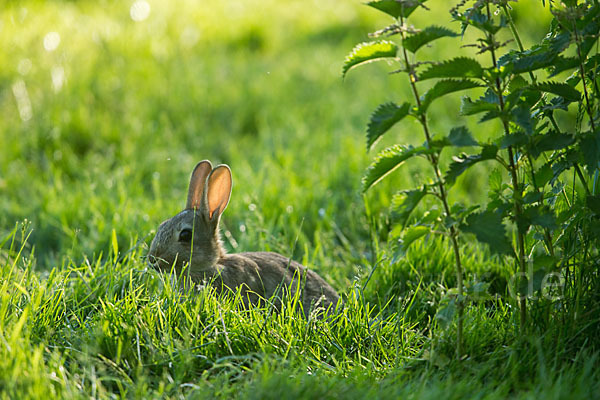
x,y
106,106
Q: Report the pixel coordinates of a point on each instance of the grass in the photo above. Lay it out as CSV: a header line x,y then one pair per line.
x,y
119,113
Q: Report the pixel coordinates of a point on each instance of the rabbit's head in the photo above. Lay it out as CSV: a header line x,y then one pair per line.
x,y
194,232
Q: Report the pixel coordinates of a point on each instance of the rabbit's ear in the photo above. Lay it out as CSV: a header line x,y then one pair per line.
x,y
197,183
218,190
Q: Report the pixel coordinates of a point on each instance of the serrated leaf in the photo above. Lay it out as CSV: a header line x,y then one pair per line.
x,y
384,117
413,233
533,197
388,160
443,88
562,63
544,261
404,202
589,146
483,104
592,68
516,83
396,8
461,136
463,162
593,203
556,103
488,228
522,117
560,89
516,139
530,60
460,67
445,314
369,52
478,291
549,141
522,97
495,180
417,40
481,21
541,216
491,115
543,175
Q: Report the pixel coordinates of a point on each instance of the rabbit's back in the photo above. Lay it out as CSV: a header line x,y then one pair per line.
x,y
266,273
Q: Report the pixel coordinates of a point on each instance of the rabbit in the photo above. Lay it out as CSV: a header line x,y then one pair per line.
x,y
195,232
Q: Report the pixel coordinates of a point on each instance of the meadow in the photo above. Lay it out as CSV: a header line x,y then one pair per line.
x,y
105,108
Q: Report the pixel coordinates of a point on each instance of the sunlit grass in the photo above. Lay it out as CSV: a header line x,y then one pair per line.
x,y
103,116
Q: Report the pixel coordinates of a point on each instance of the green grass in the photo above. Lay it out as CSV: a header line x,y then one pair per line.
x,y
105,154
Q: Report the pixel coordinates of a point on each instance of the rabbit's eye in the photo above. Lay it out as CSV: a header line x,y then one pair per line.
x,y
185,235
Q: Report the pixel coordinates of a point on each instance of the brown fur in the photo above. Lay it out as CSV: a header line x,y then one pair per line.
x,y
260,275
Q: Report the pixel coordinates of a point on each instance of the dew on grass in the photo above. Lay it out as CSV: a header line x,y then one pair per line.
x,y
139,11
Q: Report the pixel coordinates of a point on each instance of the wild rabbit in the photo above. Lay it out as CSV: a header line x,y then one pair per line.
x,y
195,232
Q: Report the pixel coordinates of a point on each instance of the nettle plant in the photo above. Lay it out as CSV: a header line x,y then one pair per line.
x,y
543,211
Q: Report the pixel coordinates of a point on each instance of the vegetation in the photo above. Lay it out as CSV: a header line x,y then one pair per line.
x,y
106,106
532,197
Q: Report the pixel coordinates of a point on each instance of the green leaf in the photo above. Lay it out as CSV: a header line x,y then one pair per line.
x,y
369,52
516,139
530,60
562,63
543,175
495,180
560,89
537,215
589,146
533,197
463,162
384,117
488,228
417,40
544,262
404,202
460,137
522,117
541,216
460,67
396,8
593,203
486,103
443,88
413,233
517,83
445,315
478,291
550,141
388,160
480,21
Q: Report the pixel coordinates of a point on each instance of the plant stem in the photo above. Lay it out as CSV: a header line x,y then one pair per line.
x,y
443,197
515,183
550,114
582,73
